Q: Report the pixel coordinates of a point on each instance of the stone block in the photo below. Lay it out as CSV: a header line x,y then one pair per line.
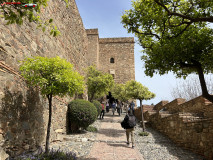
x,y
3,154
84,139
59,131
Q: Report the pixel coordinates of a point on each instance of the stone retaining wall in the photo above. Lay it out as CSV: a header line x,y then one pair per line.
x,y
188,124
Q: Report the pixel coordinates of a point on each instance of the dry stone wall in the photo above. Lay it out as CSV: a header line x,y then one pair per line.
x,y
189,124
23,111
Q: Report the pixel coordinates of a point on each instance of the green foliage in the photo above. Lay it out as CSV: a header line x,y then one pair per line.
x,y
136,90
172,38
98,106
92,129
119,92
151,23
53,75
81,114
53,154
18,14
98,83
156,18
143,134
180,54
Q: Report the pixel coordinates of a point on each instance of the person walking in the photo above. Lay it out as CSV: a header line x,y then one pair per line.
x,y
130,109
113,108
119,108
132,104
102,111
129,123
107,106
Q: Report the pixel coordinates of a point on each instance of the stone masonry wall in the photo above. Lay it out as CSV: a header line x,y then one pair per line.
x,y
23,111
93,49
189,124
122,50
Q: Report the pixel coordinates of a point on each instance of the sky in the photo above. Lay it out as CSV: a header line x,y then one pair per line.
x,y
106,16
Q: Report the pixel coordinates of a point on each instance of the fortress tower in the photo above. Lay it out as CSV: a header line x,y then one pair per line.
x,y
112,55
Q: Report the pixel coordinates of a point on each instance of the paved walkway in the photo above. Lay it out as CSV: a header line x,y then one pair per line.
x,y
112,142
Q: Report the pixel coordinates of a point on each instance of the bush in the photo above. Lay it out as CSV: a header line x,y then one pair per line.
x,y
81,114
91,129
52,155
143,134
98,106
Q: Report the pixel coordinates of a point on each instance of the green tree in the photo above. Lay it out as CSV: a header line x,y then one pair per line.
x,y
17,13
136,90
54,76
148,17
189,52
98,83
119,92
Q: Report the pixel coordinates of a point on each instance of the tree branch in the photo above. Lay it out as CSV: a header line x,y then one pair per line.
x,y
201,19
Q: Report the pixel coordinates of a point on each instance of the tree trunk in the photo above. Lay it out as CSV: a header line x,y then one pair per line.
x,y
205,93
91,98
142,118
49,123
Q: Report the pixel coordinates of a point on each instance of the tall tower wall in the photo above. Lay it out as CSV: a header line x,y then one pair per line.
x,y
121,50
93,49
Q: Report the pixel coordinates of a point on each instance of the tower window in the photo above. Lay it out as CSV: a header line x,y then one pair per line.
x,y
112,60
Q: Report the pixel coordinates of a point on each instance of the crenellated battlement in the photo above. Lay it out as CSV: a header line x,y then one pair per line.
x,y
117,40
92,31
189,124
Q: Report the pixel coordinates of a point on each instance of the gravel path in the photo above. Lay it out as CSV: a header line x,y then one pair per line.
x,y
156,146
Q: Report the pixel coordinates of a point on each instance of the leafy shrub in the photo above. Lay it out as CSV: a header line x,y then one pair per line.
x,y
91,129
52,155
143,134
98,106
81,114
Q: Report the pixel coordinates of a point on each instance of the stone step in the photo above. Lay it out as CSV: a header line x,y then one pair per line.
x,y
152,112
207,102
165,115
185,114
191,118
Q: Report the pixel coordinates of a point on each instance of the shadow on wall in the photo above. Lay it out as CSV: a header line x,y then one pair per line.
x,y
22,121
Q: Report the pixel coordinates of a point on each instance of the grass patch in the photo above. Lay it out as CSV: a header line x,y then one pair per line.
x,y
92,129
143,134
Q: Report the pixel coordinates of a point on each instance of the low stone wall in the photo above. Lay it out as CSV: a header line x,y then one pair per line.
x,y
145,108
188,124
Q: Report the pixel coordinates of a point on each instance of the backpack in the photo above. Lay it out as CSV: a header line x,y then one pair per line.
x,y
123,124
131,121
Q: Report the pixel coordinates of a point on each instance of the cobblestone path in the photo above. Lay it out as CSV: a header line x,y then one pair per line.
x,y
111,143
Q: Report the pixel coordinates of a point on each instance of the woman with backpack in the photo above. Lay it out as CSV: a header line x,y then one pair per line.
x,y
129,123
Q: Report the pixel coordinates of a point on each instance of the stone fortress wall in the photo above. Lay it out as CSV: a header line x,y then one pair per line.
x,y
121,50
23,111
189,124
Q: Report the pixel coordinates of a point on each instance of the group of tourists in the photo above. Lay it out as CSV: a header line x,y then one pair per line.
x,y
129,121
117,106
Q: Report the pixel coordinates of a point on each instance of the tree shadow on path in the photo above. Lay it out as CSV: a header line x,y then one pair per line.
x,y
111,132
